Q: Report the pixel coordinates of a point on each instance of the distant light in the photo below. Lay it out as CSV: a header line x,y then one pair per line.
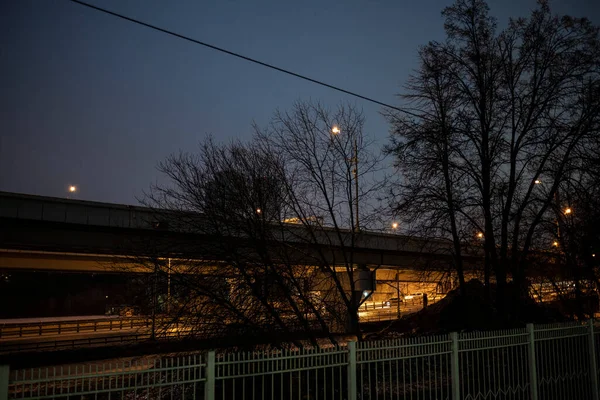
x,y
258,210
568,210
555,244
72,189
594,255
480,235
537,182
394,225
335,130
107,297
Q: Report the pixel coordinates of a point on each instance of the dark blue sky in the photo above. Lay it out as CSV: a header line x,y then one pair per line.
x,y
90,100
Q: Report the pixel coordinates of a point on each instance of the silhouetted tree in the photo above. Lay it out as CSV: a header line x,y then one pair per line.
x,y
499,122
331,178
276,228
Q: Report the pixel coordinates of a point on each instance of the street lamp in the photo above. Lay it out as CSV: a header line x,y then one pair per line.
x,y
72,190
394,225
336,131
537,182
568,210
480,235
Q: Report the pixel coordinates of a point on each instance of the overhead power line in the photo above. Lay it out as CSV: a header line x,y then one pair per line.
x,y
231,53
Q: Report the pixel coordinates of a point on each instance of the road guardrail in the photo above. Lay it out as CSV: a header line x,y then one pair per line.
x,y
8,331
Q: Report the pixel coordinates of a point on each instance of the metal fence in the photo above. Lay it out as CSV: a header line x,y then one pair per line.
x,y
557,361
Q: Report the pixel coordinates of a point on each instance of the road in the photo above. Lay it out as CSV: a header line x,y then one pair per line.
x,y
69,332
91,331
85,339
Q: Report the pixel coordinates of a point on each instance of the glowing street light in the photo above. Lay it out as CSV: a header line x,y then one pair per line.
x,y
258,211
71,190
335,130
568,210
480,235
537,182
394,225
555,243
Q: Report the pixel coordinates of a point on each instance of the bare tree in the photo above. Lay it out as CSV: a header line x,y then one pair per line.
x,y
236,273
512,113
577,238
433,194
332,183
260,238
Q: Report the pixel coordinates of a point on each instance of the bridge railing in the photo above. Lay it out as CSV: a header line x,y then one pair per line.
x,y
544,362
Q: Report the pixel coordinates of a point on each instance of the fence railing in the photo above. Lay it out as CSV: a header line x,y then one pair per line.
x,y
558,361
8,331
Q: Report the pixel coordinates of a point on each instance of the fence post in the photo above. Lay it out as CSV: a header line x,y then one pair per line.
x,y
454,367
533,385
4,370
209,385
593,367
352,370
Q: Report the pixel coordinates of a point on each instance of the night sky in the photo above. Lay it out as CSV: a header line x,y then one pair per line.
x,y
94,101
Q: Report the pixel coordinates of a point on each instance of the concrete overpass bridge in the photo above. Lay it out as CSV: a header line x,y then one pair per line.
x,y
45,233
44,237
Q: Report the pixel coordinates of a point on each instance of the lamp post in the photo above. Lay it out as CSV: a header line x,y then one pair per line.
x,y
398,294
567,211
336,131
356,181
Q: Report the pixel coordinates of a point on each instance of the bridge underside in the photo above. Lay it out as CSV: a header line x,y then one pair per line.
x,y
30,244
45,284
43,245
20,260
